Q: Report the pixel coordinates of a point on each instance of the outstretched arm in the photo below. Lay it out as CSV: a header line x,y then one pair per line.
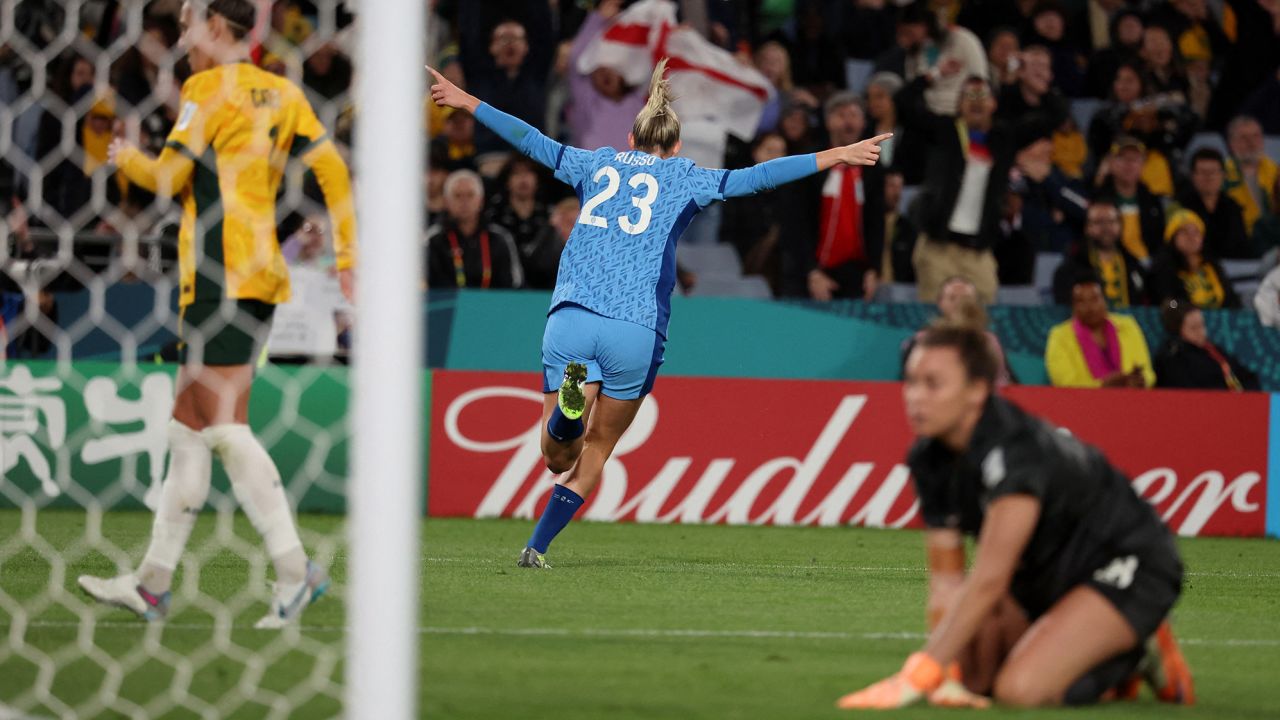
x,y
771,174
523,136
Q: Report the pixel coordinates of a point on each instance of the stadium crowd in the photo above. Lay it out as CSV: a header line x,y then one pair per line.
x,y
1126,142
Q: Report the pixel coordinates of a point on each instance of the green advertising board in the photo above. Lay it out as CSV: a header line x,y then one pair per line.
x,y
97,433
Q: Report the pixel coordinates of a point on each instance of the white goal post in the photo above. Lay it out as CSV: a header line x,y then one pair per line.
x,y
386,483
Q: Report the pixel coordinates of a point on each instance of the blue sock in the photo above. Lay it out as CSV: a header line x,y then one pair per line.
x,y
562,429
559,511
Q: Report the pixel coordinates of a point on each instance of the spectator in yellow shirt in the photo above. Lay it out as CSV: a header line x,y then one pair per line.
x,y
1096,348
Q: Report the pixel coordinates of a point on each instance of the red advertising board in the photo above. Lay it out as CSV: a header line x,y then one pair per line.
x,y
721,450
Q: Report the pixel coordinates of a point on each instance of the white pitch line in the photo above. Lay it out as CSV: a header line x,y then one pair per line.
x,y
856,568
623,632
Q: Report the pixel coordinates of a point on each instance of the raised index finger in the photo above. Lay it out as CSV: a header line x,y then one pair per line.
x,y
439,78
881,138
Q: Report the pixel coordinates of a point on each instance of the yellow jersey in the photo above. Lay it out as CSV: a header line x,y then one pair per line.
x,y
1238,189
238,126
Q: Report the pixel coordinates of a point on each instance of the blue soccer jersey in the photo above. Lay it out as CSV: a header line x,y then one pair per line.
x,y
620,259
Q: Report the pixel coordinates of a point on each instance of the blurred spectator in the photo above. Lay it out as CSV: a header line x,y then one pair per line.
x,y
13,212
1163,120
1189,360
1096,348
289,29
456,147
929,46
1123,280
1100,16
463,251
753,227
1264,105
1164,71
541,258
900,234
773,61
1199,86
1034,89
316,320
1052,210
984,16
1126,31
1266,302
68,182
437,173
326,74
39,21
1002,56
1251,58
966,181
601,106
834,220
516,207
867,27
307,246
797,128
1185,271
897,152
1132,112
440,32
1070,150
149,67
1116,116
1141,212
1224,235
1193,28
817,60
958,302
502,65
32,341
1251,179
1013,249
1049,30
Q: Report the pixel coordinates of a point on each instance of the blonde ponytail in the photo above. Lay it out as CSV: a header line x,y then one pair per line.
x,y
656,127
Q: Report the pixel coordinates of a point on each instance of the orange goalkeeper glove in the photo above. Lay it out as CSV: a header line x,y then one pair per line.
x,y
919,676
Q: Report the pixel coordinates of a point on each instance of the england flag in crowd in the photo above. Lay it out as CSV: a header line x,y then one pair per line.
x,y
712,87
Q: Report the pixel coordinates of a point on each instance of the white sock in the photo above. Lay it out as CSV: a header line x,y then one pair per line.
x,y
257,487
182,495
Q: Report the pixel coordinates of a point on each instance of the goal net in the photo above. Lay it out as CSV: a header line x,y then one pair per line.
x,y
89,284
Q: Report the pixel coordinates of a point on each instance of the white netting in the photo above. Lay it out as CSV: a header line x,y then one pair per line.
x,y
88,288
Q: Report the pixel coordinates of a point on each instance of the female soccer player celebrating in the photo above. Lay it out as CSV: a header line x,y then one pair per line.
x,y
1060,532
607,325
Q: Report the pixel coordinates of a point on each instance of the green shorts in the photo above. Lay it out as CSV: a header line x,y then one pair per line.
x,y
214,334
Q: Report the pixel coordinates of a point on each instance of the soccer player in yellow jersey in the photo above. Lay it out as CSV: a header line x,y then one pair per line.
x,y
237,128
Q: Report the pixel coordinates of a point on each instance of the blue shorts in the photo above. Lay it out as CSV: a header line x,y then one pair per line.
x,y
622,356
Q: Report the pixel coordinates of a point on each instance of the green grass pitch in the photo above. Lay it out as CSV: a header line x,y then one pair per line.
x,y
633,621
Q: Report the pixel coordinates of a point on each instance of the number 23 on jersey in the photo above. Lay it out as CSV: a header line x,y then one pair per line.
x,y
642,201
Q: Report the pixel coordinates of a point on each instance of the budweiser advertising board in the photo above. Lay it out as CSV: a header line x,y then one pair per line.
x,y
720,450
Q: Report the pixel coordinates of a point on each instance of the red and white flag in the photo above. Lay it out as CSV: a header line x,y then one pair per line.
x,y
709,83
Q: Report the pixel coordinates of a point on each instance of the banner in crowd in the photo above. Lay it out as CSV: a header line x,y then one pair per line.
x,y
803,452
